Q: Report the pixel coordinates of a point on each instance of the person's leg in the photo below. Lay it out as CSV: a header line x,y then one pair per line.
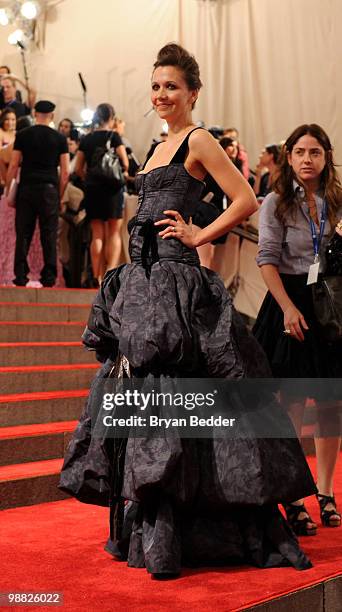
x,y
295,410
327,451
48,211
25,222
300,521
113,244
328,445
114,206
96,247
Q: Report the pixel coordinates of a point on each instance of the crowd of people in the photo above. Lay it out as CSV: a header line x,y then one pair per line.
x,y
41,159
164,316
89,238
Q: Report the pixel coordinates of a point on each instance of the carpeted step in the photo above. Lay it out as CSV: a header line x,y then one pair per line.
x,y
41,407
25,484
29,331
49,296
35,353
26,379
25,443
30,311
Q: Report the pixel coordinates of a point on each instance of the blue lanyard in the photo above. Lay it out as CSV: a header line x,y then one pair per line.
x,y
316,240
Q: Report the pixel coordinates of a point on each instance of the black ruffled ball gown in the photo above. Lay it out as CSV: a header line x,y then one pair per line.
x,y
191,501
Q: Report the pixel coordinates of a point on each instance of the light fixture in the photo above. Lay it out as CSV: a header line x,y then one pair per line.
x,y
15,37
87,115
4,21
30,10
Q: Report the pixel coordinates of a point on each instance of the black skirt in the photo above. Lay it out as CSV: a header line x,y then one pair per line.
x,y
101,203
313,359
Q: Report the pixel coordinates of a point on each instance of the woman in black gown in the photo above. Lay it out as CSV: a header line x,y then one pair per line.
x,y
191,501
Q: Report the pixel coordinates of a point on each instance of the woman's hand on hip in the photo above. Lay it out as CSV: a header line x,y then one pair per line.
x,y
294,323
178,228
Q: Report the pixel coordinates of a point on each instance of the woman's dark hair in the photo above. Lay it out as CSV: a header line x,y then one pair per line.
x,y
104,112
329,181
274,150
226,142
8,110
74,135
174,55
69,121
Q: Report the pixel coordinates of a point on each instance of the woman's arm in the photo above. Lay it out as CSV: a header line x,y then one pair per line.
x,y
64,161
121,152
205,150
293,318
80,165
31,93
12,172
258,176
272,236
5,158
206,153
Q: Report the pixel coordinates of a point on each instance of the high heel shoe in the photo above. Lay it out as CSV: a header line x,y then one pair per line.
x,y
327,515
300,525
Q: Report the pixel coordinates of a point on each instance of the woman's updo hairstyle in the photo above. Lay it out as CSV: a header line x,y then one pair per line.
x,y
104,113
174,55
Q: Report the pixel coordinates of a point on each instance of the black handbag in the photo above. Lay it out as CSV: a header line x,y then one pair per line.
x,y
327,294
106,168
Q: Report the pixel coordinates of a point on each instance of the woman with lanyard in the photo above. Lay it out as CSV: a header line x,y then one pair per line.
x,y
297,221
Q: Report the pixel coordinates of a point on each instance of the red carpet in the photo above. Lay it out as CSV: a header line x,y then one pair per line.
x,y
58,546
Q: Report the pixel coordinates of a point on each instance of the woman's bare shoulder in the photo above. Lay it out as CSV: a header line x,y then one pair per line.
x,y
201,135
201,140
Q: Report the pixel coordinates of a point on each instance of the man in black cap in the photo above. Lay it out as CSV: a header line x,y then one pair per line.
x,y
39,150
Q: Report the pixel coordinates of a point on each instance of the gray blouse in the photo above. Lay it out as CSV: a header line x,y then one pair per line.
x,y
288,246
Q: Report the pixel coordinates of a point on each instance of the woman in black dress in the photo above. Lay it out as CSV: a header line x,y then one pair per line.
x,y
191,501
266,170
103,204
297,221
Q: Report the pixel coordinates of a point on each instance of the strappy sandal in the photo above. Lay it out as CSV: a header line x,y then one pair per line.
x,y
300,525
327,515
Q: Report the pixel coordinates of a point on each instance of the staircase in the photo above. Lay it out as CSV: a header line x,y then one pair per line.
x,y
45,373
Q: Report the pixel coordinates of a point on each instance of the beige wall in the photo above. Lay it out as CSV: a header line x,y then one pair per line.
x,y
267,65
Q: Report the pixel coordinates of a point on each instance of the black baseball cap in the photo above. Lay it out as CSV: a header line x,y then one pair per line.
x,y
44,106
